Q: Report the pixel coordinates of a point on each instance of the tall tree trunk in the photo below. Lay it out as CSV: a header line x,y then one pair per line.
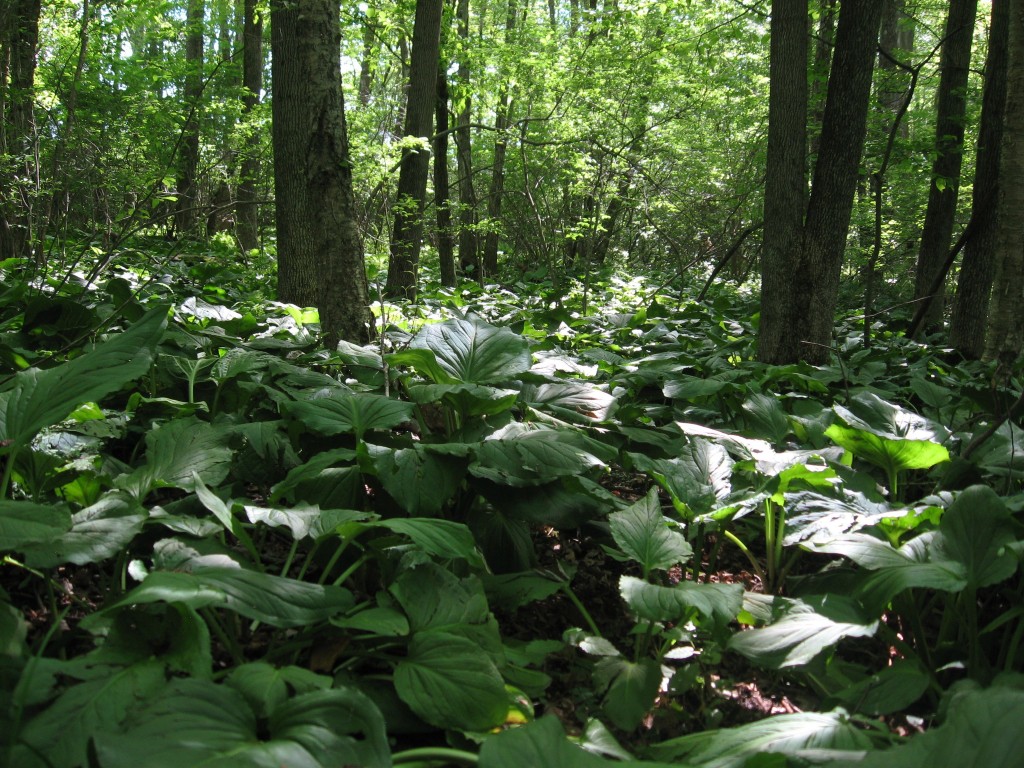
x,y
320,254
20,38
407,233
469,261
186,211
937,234
442,198
496,192
974,285
896,40
366,63
247,222
835,173
785,191
1005,341
824,40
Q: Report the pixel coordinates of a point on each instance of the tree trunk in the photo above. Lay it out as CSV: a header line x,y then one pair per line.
x,y
186,209
1006,323
19,35
366,63
974,285
469,261
442,198
825,38
247,222
320,255
785,180
937,234
896,40
496,192
835,174
407,233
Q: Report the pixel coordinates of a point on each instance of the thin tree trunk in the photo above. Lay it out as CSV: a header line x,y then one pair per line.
x,y
365,63
247,222
442,198
407,233
937,233
974,285
469,261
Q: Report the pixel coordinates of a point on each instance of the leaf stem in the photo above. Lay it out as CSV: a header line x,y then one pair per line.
x,y
440,755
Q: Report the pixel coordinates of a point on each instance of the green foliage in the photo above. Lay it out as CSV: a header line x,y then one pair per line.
x,y
291,561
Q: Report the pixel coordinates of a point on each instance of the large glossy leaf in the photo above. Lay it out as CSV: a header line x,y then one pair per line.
x,y
629,689
786,734
976,529
440,538
62,732
198,723
767,417
451,683
341,412
870,413
274,600
719,602
474,351
97,532
468,400
419,479
647,536
570,398
531,457
23,523
39,398
804,629
698,480
541,744
176,452
434,598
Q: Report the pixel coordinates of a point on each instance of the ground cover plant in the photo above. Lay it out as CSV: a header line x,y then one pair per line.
x,y
507,532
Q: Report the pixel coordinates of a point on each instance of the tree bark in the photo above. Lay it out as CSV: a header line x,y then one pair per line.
x,y
896,40
469,261
320,254
974,285
247,222
937,233
186,210
20,38
407,233
785,180
442,198
835,174
1006,323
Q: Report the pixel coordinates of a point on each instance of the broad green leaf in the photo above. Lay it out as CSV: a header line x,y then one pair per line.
x,y
474,351
534,457
629,689
266,687
197,723
178,450
541,744
434,598
575,397
787,734
976,529
419,479
61,733
274,600
299,520
719,602
385,622
890,690
699,479
514,590
892,455
767,416
340,412
806,628
423,361
870,413
173,633
40,398
23,523
440,538
647,536
451,683
97,532
468,400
